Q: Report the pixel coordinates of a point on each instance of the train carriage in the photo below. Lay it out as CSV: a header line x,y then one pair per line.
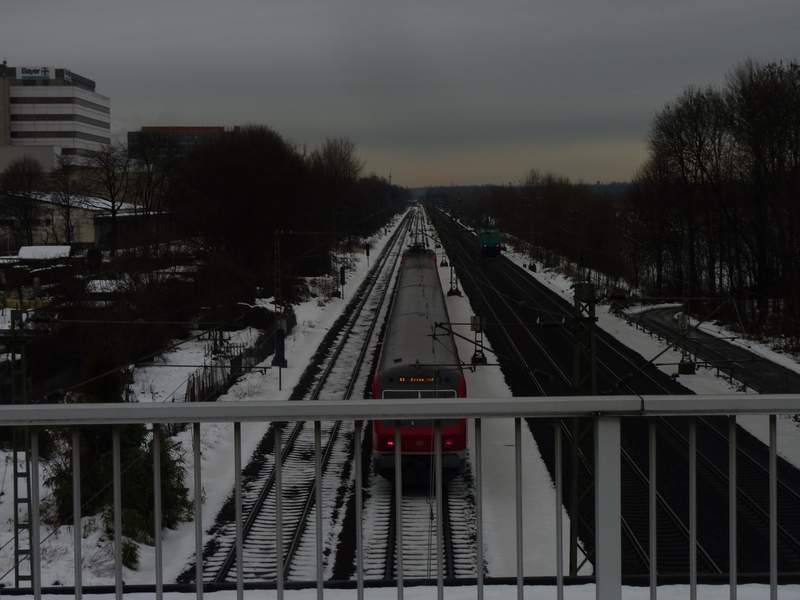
x,y
419,361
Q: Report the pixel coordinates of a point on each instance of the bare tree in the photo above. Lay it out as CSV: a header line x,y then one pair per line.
x,y
154,172
107,170
67,195
690,138
20,183
337,160
336,169
764,119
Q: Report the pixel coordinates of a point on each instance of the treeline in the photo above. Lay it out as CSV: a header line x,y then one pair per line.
x,y
714,211
227,195
559,223
238,191
713,214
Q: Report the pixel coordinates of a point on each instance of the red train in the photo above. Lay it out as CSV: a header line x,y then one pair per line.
x,y
414,364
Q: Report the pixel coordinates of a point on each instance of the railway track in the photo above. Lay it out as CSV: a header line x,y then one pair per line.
x,y
291,493
411,532
713,483
280,503
419,537
740,363
616,369
752,483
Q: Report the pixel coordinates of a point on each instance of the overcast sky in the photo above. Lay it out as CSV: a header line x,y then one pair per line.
x,y
438,92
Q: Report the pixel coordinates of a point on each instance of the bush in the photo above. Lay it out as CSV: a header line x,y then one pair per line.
x,y
138,517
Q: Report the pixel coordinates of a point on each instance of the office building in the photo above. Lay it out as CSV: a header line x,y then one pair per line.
x,y
46,111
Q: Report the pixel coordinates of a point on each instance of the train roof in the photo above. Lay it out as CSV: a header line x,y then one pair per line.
x,y
418,305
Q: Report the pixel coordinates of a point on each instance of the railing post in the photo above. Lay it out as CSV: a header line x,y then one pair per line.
x,y
518,504
198,511
653,502
237,491
359,513
117,482
76,512
773,508
608,506
35,517
318,501
157,513
398,498
479,505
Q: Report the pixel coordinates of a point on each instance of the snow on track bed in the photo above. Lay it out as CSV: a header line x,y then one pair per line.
x,y
419,530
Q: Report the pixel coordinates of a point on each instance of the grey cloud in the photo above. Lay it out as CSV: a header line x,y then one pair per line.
x,y
481,80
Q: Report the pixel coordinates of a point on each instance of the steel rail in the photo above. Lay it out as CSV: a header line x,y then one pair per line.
x,y
257,507
421,515
379,269
503,269
364,293
748,500
485,305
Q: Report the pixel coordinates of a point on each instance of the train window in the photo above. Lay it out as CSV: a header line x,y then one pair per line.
x,y
420,423
400,394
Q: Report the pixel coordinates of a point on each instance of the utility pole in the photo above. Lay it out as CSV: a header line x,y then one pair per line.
x,y
686,365
453,291
582,450
477,323
279,359
584,363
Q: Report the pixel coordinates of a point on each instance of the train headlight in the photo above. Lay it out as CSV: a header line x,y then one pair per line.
x,y
448,443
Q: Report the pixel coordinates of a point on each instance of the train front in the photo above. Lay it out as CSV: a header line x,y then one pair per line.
x,y
419,360
490,242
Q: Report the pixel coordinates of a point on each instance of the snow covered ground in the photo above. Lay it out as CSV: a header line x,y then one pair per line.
x,y
166,383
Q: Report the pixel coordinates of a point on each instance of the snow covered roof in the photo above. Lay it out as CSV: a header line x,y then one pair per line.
x,y
103,205
43,252
90,203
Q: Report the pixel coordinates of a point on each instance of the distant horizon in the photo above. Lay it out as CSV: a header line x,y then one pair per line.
x,y
424,187
516,178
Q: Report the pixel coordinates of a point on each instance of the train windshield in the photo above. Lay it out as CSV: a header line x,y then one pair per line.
x,y
400,394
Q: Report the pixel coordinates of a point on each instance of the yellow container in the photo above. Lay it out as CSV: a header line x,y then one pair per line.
x,y
33,303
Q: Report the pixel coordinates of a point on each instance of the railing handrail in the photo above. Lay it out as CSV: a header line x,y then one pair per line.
x,y
606,411
362,409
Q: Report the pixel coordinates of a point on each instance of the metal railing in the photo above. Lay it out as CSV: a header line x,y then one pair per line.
x,y
605,411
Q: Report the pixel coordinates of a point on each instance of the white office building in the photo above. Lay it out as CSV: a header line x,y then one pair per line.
x,y
45,111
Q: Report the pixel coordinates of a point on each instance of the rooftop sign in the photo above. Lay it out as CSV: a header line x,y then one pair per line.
x,y
36,72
